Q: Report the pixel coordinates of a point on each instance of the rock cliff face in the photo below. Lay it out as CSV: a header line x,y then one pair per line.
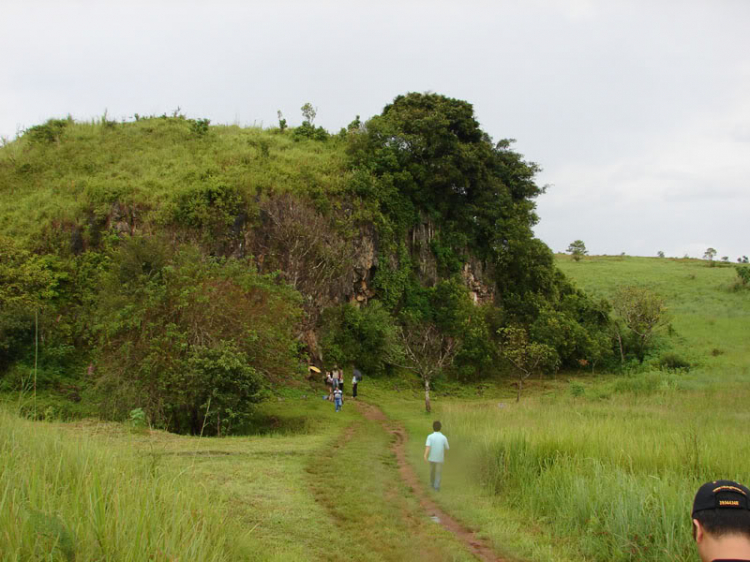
x,y
419,243
364,266
292,237
479,280
477,277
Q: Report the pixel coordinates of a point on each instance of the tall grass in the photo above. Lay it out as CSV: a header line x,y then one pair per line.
x,y
62,499
617,478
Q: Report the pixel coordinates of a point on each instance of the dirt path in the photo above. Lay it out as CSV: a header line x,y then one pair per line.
x,y
475,544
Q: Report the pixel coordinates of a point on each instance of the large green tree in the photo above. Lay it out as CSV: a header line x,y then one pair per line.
x,y
425,159
431,161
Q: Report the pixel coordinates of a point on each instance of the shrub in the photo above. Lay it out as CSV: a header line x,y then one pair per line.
x,y
577,389
191,342
364,337
308,131
223,386
199,127
673,362
743,274
49,132
138,421
211,204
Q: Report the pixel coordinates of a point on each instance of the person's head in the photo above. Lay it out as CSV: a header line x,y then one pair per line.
x,y
721,519
436,425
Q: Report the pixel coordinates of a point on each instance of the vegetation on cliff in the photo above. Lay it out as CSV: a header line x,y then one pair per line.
x,y
178,267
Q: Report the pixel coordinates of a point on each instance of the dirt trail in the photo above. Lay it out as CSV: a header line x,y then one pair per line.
x,y
475,544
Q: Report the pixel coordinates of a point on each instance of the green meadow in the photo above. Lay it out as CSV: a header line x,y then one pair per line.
x,y
593,466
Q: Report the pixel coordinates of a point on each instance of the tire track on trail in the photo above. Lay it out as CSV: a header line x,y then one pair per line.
x,y
475,544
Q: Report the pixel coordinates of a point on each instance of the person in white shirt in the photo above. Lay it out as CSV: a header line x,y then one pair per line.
x,y
434,453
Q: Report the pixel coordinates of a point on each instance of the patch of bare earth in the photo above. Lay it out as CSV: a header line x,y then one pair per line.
x,y
474,543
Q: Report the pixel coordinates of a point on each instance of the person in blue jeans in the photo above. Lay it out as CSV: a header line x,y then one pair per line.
x,y
338,398
434,453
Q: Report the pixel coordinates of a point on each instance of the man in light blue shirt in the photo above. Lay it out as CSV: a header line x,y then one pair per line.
x,y
434,452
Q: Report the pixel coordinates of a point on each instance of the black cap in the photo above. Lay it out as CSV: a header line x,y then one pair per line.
x,y
721,494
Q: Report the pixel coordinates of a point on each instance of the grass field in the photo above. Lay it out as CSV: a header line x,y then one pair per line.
x,y
604,467
317,486
588,467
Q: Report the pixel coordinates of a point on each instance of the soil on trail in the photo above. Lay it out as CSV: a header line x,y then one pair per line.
x,y
475,544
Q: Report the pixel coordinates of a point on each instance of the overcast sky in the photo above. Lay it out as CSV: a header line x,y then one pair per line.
x,y
638,112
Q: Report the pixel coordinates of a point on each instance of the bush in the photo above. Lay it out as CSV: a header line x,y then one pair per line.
x,y
673,362
223,387
210,204
48,133
199,127
311,132
577,389
191,341
743,276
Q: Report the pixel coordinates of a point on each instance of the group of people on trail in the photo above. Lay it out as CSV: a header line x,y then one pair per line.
x,y
334,380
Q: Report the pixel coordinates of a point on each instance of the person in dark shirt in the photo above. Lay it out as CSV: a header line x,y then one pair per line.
x,y
721,522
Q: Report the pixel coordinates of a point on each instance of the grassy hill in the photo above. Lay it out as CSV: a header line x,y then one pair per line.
x,y
710,316
163,263
72,176
594,467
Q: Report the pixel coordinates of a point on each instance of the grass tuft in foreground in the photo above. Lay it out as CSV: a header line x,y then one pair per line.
x,y
65,499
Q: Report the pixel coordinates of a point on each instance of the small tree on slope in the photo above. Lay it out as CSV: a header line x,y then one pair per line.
x,y
426,351
526,356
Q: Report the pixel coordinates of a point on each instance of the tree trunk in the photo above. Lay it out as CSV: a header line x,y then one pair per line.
x,y
427,406
520,388
36,351
619,341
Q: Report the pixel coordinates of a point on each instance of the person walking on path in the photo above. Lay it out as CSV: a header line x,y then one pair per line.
x,y
721,522
434,453
338,399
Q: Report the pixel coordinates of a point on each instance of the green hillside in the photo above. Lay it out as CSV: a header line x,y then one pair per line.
x,y
710,318
191,270
71,177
